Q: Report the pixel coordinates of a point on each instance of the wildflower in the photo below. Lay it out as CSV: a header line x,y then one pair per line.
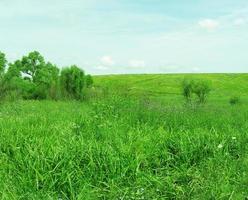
x,y
220,146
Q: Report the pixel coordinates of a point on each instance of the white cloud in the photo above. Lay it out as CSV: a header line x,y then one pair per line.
x,y
107,60
137,63
209,24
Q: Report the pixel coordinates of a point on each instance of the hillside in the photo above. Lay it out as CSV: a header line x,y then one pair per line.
x,y
169,85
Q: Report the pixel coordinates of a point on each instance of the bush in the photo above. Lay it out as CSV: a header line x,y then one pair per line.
x,y
72,82
234,100
16,85
88,81
12,96
187,89
199,88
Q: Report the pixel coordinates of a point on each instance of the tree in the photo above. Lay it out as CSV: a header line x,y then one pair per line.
x,y
3,63
32,63
46,80
14,70
33,78
13,82
72,82
88,81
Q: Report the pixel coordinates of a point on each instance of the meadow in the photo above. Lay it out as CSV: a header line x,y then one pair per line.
x,y
134,137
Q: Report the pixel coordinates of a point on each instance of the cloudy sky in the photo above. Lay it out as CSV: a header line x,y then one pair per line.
x,y
129,36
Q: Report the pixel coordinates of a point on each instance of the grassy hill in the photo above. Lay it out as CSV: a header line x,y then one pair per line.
x,y
169,85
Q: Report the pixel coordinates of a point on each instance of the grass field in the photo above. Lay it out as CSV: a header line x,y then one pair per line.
x,y
169,86
143,144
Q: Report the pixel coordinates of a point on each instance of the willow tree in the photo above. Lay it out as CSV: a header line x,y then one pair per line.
x,y
72,80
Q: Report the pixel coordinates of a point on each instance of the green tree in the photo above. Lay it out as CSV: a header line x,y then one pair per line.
x,y
88,81
3,63
46,81
14,70
14,83
72,82
43,75
32,63
32,77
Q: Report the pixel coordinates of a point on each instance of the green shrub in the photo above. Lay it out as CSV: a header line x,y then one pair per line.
x,y
187,89
198,88
12,96
88,81
201,89
234,100
72,81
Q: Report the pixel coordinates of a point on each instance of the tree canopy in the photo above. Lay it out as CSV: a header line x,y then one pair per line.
x,y
32,77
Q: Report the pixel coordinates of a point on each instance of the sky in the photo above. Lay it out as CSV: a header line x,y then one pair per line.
x,y
129,36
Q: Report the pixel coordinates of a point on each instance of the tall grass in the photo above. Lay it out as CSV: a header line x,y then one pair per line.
x,y
121,148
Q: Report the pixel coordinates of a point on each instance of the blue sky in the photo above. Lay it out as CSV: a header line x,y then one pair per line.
x,y
130,36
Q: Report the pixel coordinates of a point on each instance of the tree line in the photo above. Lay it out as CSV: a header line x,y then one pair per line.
x,y
31,77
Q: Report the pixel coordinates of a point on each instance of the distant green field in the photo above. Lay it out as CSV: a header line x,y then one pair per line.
x,y
169,85
114,146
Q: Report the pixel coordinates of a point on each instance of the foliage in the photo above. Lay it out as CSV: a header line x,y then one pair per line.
x,y
46,80
31,64
72,82
34,78
234,100
3,63
14,70
187,89
88,81
200,88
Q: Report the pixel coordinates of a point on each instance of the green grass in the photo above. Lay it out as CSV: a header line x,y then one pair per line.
x,y
169,86
148,147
